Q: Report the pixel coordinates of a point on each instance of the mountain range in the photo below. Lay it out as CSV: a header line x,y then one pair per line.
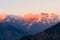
x,y
15,27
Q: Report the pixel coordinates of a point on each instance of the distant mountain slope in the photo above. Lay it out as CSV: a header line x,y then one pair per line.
x,y
52,33
9,32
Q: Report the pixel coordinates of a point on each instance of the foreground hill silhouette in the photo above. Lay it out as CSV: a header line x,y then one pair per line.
x,y
52,33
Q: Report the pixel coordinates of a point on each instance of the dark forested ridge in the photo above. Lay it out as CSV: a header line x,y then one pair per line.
x,y
52,33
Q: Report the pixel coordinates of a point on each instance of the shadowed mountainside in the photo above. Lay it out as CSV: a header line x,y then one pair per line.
x,y
52,33
9,32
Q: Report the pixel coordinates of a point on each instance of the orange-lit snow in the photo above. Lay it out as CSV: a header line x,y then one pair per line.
x,y
2,17
42,17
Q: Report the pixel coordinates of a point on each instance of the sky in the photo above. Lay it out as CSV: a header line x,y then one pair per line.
x,y
21,7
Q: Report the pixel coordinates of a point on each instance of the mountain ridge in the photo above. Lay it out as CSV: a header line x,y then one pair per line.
x,y
52,33
19,27
32,26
